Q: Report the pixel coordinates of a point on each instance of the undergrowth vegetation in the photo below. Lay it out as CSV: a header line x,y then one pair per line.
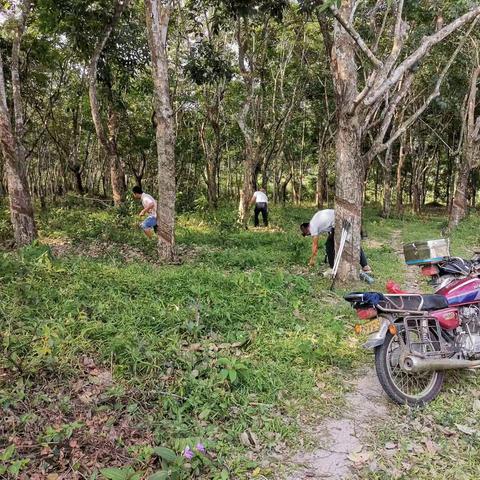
x,y
112,364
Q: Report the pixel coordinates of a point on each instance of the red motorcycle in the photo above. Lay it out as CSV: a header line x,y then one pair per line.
x,y
416,337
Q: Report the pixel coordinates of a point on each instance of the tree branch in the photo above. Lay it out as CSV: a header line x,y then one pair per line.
x,y
427,43
380,147
356,37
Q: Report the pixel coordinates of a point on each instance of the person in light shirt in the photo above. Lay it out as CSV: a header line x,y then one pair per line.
x,y
324,222
260,199
149,208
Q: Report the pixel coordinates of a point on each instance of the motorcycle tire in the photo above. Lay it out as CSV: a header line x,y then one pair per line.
x,y
384,367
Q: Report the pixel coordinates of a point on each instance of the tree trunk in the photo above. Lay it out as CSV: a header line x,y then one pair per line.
x,y
349,165
117,172
399,185
321,193
158,17
459,204
108,143
387,184
436,185
21,208
212,187
250,164
471,153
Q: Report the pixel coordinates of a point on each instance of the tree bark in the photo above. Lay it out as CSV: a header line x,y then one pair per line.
x,y
157,19
108,143
387,184
459,205
117,172
399,184
471,153
321,193
349,166
21,207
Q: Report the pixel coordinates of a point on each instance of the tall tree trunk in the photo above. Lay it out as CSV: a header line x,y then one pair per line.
x,y
349,165
387,184
459,204
250,164
321,193
399,183
117,172
436,185
471,153
21,208
158,17
108,142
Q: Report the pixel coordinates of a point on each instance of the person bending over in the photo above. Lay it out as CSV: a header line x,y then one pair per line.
x,y
149,208
260,200
324,222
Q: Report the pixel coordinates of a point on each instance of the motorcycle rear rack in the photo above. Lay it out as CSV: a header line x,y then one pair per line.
x,y
423,337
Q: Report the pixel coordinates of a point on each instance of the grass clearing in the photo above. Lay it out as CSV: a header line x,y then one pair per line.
x,y
103,350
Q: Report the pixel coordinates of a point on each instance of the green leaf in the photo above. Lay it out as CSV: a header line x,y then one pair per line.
x,y
166,453
8,453
223,361
224,374
224,475
327,4
232,374
117,473
160,475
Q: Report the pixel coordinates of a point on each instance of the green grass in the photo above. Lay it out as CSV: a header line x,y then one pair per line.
x,y
162,329
166,332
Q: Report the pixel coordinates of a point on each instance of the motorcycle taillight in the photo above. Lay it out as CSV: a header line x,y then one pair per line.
x,y
366,313
430,271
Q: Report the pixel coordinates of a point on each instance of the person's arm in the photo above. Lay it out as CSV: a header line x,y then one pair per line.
x,y
147,209
311,263
252,200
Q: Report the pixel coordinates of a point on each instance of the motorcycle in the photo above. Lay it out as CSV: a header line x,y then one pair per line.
x,y
417,337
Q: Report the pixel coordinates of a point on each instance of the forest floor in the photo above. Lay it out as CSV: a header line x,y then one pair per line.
x,y
112,364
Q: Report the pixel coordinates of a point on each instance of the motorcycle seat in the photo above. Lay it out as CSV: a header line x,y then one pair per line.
x,y
412,302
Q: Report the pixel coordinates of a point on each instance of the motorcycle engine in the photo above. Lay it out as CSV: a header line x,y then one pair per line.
x,y
469,336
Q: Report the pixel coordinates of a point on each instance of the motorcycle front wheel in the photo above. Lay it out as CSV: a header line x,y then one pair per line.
x,y
413,389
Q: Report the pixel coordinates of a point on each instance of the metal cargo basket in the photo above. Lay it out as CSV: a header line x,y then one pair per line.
x,y
430,251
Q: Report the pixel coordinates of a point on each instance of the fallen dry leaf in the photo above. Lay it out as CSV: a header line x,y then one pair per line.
x,y
249,439
465,429
431,446
360,457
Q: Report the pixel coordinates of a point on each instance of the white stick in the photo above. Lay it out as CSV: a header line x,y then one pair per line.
x,y
338,256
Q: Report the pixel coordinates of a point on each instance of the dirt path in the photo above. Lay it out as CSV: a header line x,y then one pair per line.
x,y
343,442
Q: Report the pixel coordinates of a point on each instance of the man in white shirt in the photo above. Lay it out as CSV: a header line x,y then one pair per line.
x,y
149,208
260,200
324,222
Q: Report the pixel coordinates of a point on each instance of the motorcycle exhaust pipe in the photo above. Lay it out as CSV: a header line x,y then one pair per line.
x,y
417,364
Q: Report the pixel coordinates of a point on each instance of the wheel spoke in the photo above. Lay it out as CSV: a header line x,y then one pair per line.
x,y
414,385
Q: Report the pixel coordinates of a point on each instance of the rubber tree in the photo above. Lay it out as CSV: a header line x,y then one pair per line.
x,y
470,157
11,136
107,136
366,109
157,18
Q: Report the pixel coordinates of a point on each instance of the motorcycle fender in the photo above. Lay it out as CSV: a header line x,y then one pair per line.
x,y
377,338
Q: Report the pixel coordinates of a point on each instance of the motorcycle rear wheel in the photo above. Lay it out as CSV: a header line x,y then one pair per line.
x,y
413,389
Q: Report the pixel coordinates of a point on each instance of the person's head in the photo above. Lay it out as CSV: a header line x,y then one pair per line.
x,y
137,191
263,190
305,229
